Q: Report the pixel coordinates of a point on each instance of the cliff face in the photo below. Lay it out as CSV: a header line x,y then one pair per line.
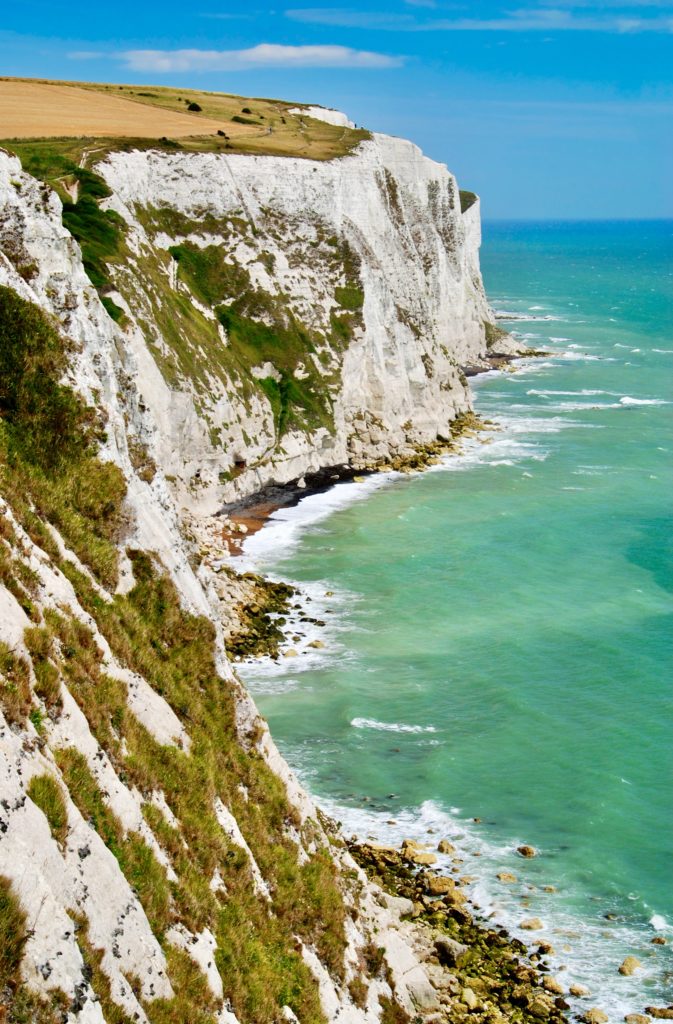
x,y
365,268
158,860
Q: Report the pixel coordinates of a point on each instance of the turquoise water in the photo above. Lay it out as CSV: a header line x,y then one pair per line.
x,y
499,631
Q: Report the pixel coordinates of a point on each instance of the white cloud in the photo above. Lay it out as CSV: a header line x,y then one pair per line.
x,y
547,19
344,17
551,20
269,55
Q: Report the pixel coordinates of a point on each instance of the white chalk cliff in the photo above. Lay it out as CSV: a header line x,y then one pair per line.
x,y
412,252
381,232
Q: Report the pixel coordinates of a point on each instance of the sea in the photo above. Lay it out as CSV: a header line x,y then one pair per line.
x,y
497,666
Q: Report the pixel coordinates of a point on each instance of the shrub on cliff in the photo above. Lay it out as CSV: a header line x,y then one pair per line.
x,y
48,440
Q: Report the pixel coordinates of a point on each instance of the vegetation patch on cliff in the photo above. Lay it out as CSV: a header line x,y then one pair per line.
x,y
49,469
99,232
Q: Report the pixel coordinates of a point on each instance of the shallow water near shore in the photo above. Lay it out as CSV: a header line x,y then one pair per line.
x,y
499,629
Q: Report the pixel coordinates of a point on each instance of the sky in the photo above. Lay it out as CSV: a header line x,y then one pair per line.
x,y
555,110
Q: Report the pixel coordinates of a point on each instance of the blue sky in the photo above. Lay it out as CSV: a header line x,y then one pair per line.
x,y
561,109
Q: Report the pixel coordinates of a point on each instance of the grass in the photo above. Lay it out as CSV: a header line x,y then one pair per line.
x,y
46,793
18,1005
287,344
47,684
261,326
212,279
137,861
15,695
13,934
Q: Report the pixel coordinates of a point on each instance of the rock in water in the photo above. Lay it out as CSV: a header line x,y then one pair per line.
x,y
526,851
444,846
629,965
531,924
506,876
595,1016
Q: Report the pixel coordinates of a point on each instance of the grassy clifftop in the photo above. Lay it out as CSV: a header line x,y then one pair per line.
x,y
108,117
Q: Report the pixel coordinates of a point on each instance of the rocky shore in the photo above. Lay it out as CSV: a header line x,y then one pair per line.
x,y
480,973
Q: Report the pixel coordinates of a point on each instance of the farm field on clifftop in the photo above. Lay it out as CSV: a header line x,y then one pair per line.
x,y
32,109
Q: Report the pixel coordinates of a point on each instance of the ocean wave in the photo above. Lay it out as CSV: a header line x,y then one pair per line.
x,y
583,356
372,723
502,314
585,391
664,351
541,424
551,338
627,400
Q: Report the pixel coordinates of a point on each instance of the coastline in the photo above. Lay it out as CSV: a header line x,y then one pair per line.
x,y
579,1005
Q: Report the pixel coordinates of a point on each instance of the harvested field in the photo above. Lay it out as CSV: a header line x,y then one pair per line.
x,y
35,110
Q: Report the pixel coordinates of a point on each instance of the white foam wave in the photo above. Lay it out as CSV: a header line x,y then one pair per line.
x,y
585,391
627,400
502,314
541,424
551,338
583,357
285,525
664,351
372,723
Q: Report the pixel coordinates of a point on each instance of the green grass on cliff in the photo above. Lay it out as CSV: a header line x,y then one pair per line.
x,y
49,470
261,327
99,232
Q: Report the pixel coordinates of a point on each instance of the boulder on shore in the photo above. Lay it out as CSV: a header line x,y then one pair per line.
x,y
595,1016
531,924
419,857
449,952
629,965
660,1012
439,885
